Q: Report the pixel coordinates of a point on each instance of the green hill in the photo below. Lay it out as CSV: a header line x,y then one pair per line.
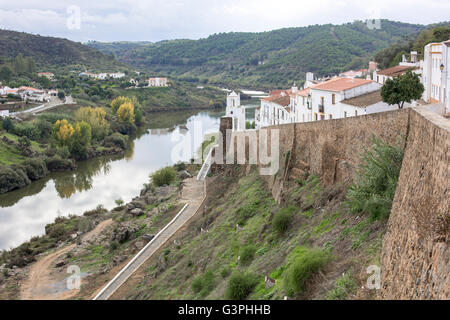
x,y
54,53
273,58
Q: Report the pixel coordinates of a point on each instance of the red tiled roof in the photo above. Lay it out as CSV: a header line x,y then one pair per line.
x,y
304,92
394,71
341,84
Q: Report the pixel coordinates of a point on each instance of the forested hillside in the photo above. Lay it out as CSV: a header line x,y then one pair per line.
x,y
52,53
273,58
392,55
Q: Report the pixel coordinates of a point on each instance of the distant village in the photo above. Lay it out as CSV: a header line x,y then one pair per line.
x,y
351,93
12,97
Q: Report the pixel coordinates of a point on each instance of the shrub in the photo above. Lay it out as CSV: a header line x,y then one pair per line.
x,y
35,168
7,124
12,178
225,272
247,254
116,140
305,262
282,219
164,176
27,129
180,166
376,180
203,284
55,163
343,286
240,285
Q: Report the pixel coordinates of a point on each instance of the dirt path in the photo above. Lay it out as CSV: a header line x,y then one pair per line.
x,y
40,284
193,195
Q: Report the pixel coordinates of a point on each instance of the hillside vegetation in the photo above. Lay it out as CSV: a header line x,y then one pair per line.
x,y
54,53
273,58
392,55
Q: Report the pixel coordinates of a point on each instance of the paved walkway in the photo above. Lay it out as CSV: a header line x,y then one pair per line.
x,y
193,195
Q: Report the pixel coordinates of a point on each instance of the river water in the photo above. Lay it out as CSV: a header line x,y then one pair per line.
x,y
170,138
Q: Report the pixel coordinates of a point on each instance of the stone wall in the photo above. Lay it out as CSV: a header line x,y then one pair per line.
x,y
415,256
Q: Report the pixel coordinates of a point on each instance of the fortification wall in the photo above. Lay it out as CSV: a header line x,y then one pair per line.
x,y
415,257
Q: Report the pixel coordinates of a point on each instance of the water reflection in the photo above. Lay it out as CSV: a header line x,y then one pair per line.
x,y
25,212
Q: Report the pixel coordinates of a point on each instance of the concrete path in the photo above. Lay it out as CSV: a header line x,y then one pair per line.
x,y
193,196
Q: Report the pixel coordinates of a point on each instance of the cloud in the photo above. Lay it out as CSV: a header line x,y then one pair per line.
x,y
168,19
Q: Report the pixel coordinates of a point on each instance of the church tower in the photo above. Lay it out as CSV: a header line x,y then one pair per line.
x,y
235,111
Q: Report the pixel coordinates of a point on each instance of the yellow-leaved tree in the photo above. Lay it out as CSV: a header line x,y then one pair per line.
x,y
63,132
96,118
117,102
125,113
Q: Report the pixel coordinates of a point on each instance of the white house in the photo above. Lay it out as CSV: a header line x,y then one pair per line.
x,y
325,98
275,109
235,111
157,82
4,113
436,74
117,75
390,73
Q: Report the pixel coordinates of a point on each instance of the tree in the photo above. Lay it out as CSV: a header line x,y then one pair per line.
x,y
63,132
401,89
7,124
61,94
81,140
125,113
96,118
5,73
117,102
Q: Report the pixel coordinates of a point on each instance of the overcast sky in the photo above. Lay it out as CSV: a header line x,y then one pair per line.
x,y
155,20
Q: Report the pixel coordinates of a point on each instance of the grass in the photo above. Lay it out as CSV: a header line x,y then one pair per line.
x,y
282,219
343,287
240,285
303,263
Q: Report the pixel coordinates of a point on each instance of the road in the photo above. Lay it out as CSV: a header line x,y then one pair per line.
x,y
54,102
193,195
41,283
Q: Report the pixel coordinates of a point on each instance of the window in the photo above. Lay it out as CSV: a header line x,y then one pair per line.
x,y
315,116
330,116
356,113
345,114
333,98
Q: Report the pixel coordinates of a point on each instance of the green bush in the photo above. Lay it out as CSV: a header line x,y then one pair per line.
x,y
305,263
26,129
116,140
55,163
343,286
12,177
7,124
225,272
240,285
164,176
282,219
247,254
376,180
35,168
203,284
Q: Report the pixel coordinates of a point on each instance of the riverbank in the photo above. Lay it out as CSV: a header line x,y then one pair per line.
x,y
73,241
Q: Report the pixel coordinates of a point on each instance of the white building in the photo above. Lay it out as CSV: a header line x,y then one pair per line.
x,y
326,97
4,113
275,109
390,73
157,82
117,75
436,74
235,111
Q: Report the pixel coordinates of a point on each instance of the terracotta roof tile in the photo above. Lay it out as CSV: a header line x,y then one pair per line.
x,y
341,84
394,71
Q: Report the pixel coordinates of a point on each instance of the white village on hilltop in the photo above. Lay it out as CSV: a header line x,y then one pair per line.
x,y
352,93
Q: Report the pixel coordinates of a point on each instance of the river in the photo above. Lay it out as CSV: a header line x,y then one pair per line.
x,y
25,212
